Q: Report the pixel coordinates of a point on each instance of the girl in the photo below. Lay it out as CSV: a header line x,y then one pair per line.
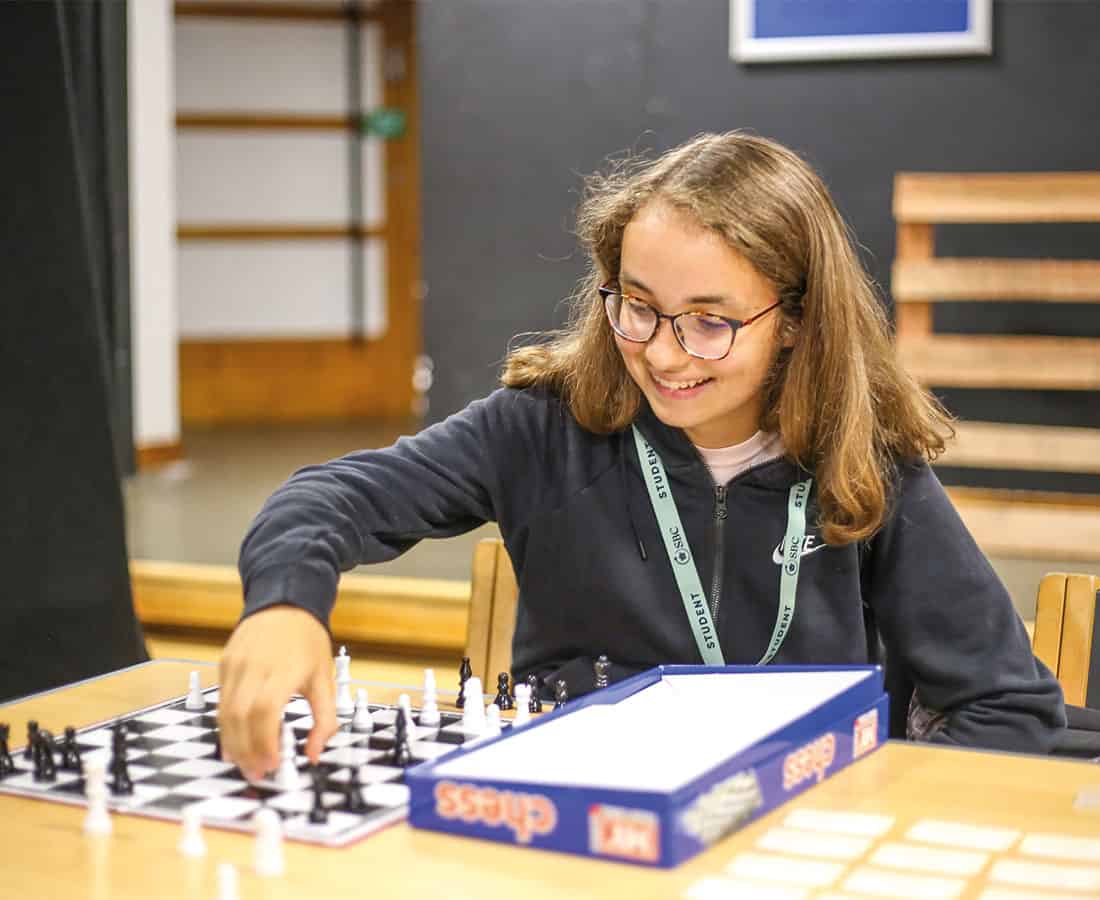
x,y
718,459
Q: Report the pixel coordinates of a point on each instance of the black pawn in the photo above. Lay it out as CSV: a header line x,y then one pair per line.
x,y
535,704
503,699
119,765
32,733
401,755
353,792
318,815
45,768
561,693
70,752
7,764
602,669
464,673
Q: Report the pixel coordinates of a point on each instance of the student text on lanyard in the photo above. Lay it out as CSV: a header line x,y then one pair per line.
x,y
683,566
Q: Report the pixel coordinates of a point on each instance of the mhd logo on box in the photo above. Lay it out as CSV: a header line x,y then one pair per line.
x,y
623,832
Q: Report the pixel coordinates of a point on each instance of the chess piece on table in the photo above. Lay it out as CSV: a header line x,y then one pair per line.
x,y
195,701
345,704
561,693
318,815
401,754
465,672
523,705
192,843
227,882
533,684
269,843
353,792
32,730
7,765
287,775
45,767
405,704
361,719
98,820
70,752
429,707
120,766
492,721
503,698
473,711
602,670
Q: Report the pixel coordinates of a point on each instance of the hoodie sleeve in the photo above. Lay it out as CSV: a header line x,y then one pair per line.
x,y
947,619
373,505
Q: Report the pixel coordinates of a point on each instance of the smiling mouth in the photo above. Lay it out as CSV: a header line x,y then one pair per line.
x,y
678,385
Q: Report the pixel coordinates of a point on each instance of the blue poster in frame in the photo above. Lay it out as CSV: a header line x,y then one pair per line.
x,y
796,30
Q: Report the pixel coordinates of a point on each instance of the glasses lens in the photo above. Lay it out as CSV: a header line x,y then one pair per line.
x,y
631,318
705,336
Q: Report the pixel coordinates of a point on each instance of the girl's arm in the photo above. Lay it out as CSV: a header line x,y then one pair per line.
x,y
373,505
947,619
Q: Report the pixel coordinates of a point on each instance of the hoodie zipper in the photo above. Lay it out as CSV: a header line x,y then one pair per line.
x,y
719,550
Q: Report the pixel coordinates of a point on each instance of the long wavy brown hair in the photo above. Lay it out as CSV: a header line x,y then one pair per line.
x,y
842,404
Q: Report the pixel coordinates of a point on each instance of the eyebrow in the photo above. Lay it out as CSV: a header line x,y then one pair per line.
x,y
625,278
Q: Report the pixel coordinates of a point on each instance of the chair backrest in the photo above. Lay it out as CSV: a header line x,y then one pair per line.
x,y
1066,634
493,596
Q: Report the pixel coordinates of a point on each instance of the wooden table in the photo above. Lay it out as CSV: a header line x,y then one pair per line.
x,y
44,852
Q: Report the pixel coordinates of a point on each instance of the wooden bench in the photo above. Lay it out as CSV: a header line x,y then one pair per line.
x,y
1056,526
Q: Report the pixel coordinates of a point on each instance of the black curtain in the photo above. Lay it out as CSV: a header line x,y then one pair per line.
x,y
65,606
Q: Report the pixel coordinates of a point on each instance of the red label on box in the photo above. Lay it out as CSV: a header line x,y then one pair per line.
x,y
865,733
623,832
809,761
525,814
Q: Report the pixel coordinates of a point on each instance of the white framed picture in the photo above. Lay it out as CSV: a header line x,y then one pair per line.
x,y
801,30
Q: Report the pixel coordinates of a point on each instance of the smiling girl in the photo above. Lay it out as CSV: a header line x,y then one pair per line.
x,y
718,460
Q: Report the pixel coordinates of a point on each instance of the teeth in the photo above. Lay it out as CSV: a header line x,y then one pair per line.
x,y
678,385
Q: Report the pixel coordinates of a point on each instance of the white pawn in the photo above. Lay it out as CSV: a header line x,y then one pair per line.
x,y
473,712
492,720
345,705
523,705
429,709
361,719
269,843
192,843
227,882
98,820
287,775
195,701
405,703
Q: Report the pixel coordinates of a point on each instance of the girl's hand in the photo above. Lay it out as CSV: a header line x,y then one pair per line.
x,y
271,655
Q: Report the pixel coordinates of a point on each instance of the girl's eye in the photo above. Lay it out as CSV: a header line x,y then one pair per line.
x,y
709,324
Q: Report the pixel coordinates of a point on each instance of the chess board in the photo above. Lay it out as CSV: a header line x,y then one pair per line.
x,y
173,765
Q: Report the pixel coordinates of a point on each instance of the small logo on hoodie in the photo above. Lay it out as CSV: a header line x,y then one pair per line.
x,y
810,544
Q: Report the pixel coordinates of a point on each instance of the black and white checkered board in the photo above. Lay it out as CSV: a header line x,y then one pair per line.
x,y
172,765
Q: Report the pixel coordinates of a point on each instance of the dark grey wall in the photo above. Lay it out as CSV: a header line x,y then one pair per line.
x,y
521,98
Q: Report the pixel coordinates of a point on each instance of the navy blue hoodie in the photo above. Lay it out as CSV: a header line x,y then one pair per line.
x,y
594,577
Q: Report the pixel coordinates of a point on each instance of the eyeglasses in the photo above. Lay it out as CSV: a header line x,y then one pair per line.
x,y
702,335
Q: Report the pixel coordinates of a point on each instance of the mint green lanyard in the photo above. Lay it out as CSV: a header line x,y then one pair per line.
x,y
687,577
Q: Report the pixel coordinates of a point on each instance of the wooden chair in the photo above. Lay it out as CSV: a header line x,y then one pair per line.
x,y
1066,636
493,596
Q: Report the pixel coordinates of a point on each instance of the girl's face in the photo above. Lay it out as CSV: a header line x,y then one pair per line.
x,y
675,265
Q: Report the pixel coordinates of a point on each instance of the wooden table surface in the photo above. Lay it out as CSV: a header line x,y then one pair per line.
x,y
45,854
